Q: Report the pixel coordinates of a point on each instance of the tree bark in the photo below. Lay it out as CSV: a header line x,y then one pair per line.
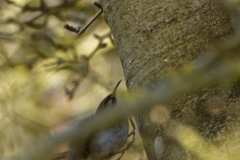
x,y
154,38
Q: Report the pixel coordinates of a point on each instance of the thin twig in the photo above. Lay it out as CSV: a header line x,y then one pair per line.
x,y
85,59
122,151
81,30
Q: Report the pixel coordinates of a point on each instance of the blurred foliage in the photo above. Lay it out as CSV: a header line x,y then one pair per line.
x,y
48,74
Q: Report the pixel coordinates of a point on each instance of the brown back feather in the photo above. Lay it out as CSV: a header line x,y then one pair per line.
x,y
109,101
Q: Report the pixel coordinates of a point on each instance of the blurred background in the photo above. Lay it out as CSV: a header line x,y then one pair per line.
x,y
49,75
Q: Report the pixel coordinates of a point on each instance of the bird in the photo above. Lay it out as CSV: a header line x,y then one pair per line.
x,y
103,144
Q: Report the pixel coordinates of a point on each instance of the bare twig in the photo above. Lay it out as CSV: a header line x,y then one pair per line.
x,y
122,151
81,30
71,28
85,60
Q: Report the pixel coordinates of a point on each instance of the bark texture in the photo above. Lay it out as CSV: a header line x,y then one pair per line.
x,y
155,37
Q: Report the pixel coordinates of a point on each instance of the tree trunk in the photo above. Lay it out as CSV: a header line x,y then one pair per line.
x,y
154,38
